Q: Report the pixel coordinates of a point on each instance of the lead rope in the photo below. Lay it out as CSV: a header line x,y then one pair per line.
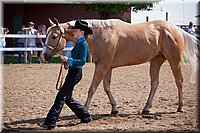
x,y
60,76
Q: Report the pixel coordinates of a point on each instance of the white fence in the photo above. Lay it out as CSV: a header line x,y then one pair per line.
x,y
25,48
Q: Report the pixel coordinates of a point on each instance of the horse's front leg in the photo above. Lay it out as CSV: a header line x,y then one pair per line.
x,y
106,84
97,78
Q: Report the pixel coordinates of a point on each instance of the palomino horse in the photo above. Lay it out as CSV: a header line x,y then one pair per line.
x,y
116,43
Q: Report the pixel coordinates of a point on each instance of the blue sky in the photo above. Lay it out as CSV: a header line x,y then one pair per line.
x,y
179,12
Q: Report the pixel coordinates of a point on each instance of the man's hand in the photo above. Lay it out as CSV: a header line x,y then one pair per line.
x,y
63,58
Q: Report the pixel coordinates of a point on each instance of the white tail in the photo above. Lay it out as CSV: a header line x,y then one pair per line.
x,y
191,52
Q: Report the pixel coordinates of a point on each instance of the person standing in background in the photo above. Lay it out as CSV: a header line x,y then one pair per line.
x,y
41,41
191,28
3,31
31,41
37,41
67,53
20,43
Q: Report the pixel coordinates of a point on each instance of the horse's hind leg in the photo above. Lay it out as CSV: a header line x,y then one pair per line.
x,y
176,69
155,65
106,84
173,52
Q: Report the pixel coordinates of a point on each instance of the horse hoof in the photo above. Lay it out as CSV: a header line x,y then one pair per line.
x,y
114,112
145,112
180,110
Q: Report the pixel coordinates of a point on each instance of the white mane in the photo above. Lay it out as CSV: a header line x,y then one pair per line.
x,y
97,23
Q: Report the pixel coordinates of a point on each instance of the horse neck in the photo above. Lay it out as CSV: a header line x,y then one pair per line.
x,y
96,25
71,38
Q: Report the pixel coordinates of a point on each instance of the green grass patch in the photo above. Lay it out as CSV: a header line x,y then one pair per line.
x,y
13,59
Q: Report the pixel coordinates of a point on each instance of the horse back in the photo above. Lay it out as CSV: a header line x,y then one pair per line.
x,y
139,43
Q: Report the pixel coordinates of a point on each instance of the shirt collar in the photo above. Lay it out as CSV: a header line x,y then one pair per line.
x,y
80,40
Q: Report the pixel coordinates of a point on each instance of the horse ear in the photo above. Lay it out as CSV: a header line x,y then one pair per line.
x,y
69,26
57,23
62,30
51,22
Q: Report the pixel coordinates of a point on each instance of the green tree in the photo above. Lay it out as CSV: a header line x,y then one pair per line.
x,y
116,10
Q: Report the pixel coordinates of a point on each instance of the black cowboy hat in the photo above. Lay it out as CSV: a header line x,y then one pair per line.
x,y
79,24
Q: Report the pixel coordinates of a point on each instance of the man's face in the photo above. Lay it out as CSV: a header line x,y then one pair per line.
x,y
78,33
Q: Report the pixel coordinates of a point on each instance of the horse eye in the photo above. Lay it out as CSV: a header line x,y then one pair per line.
x,y
54,37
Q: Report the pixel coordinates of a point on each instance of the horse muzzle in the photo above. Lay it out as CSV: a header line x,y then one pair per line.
x,y
47,57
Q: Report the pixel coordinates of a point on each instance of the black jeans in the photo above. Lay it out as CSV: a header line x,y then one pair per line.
x,y
65,96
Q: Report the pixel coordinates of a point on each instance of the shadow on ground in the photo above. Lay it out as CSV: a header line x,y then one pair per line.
x,y
8,127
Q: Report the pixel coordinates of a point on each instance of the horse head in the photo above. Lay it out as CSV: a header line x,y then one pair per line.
x,y
56,37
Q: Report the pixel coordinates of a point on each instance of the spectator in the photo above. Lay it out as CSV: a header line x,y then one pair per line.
x,y
191,29
20,43
31,41
3,31
2,39
67,53
41,41
37,39
39,28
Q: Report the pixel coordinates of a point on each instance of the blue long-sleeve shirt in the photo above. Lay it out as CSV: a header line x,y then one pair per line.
x,y
78,54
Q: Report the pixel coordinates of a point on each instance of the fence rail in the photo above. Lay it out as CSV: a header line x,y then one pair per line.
x,y
21,36
28,49
25,48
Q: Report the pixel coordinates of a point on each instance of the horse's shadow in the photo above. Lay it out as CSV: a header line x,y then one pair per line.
x,y
8,126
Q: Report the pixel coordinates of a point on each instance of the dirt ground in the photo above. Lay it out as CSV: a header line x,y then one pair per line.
x,y
29,92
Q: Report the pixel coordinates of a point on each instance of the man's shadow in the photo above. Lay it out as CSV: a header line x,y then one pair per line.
x,y
8,126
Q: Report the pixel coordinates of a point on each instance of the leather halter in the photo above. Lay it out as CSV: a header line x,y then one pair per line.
x,y
54,48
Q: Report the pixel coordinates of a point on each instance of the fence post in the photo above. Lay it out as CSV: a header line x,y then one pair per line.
x,y
147,18
166,16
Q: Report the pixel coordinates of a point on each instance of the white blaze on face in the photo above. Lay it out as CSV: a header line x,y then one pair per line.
x,y
44,50
46,42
